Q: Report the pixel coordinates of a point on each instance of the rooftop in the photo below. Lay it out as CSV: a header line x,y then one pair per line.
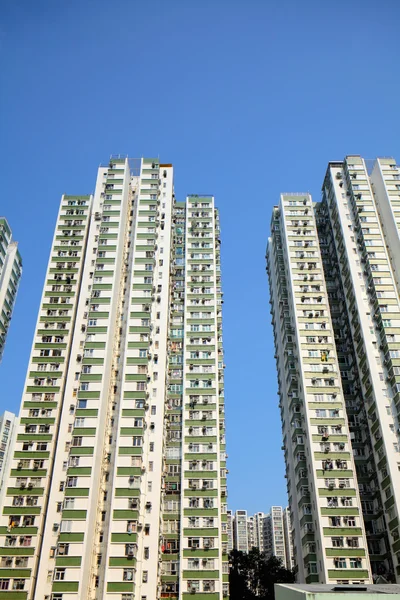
x,y
338,589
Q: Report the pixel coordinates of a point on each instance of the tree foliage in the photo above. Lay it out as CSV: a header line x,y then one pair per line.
x,y
252,576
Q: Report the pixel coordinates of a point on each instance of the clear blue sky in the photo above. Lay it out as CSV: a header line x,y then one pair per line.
x,y
246,98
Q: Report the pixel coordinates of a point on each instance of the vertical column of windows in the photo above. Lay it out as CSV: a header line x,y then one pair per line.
x,y
201,551
171,484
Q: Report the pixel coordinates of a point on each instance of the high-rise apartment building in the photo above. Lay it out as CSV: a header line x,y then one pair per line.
x,y
259,530
240,533
275,535
10,274
336,315
287,533
117,489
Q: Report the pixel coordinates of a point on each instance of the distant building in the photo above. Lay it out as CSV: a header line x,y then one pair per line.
x,y
275,545
10,274
240,535
270,533
287,532
229,528
259,530
251,540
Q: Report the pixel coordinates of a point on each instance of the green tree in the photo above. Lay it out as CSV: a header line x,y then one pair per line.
x,y
252,576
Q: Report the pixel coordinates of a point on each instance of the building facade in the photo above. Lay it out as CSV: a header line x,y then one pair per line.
x,y
322,485
117,488
8,426
287,533
336,316
230,530
10,274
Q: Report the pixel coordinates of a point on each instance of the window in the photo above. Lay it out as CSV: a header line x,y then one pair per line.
x,y
337,542
340,563
59,574
355,563
128,575
18,584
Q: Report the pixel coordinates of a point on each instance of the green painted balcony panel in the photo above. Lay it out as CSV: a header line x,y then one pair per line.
x,y
73,492
345,552
200,512
136,450
19,530
323,492
122,561
348,574
332,455
340,511
125,515
16,551
195,532
201,574
41,389
201,493
81,451
200,473
65,586
86,412
25,492
37,421
123,538
133,412
128,471
201,596
11,595
127,493
120,586
349,531
28,472
82,471
84,431
212,553
23,573
130,431
75,515
21,510
71,537
68,561
334,473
